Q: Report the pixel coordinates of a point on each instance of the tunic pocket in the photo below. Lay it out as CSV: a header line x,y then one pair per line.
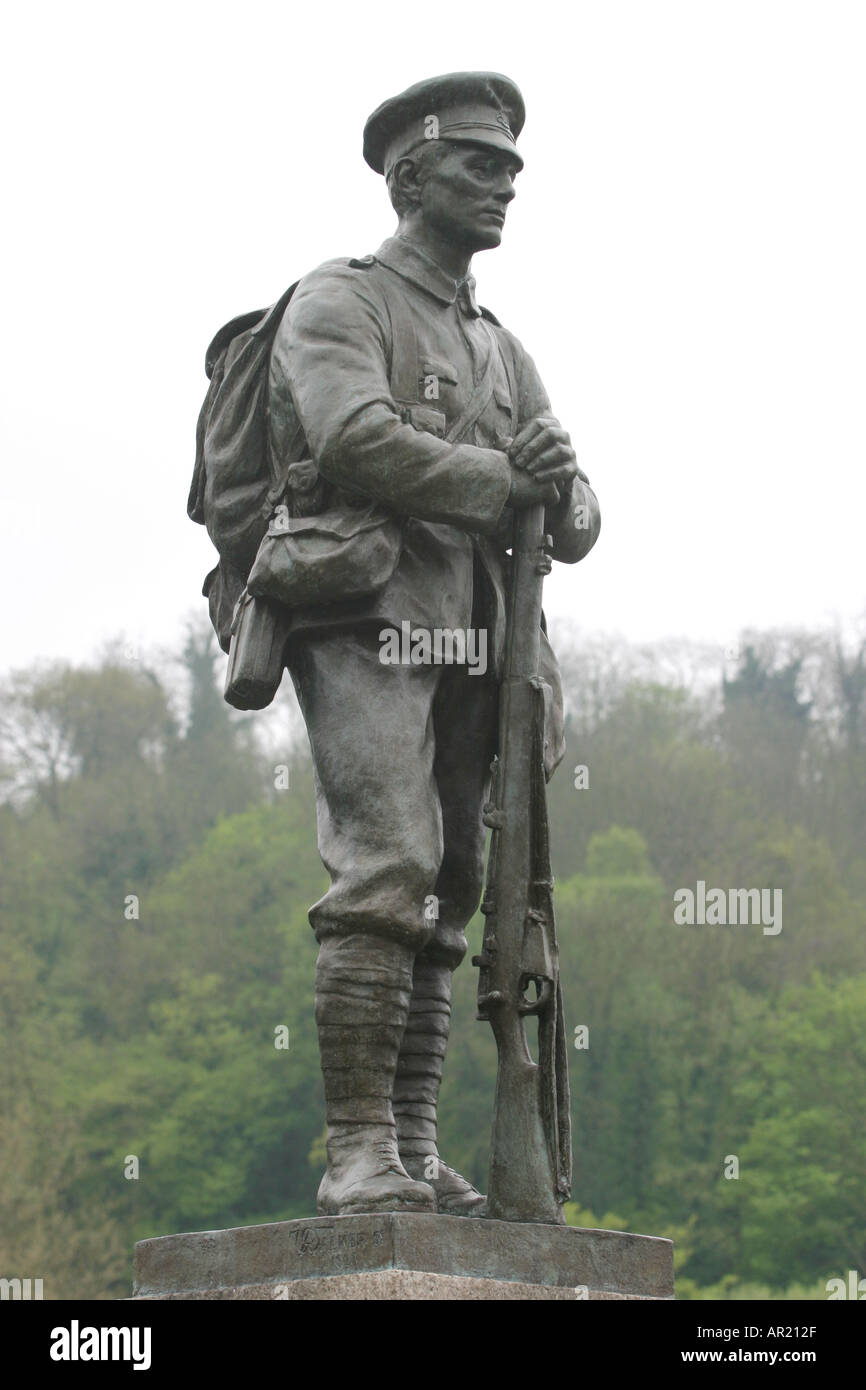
x,y
439,368
425,418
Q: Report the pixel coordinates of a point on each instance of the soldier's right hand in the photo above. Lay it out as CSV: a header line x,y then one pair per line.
x,y
527,491
302,476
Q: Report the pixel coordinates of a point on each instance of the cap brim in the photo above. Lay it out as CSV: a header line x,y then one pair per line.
x,y
463,135
483,135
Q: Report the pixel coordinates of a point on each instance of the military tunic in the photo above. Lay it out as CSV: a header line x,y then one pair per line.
x,y
402,753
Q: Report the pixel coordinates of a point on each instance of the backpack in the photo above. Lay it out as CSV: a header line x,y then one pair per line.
x,y
234,484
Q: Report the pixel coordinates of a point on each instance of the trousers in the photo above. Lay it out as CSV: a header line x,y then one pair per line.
x,y
402,759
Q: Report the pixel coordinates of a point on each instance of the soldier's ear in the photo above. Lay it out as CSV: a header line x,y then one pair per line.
x,y
405,184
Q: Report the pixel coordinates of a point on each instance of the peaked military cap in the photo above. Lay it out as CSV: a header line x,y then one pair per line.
x,y
482,107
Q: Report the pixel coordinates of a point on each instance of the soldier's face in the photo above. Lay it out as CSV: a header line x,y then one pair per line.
x,y
465,196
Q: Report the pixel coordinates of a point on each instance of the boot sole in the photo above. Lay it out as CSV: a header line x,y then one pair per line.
x,y
374,1208
467,1209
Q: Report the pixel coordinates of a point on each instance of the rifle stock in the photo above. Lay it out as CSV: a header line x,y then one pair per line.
x,y
530,1166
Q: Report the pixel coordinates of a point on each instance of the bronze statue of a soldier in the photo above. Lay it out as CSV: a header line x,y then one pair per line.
x,y
405,427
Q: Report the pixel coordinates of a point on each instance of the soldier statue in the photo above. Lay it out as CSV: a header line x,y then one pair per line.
x,y
405,428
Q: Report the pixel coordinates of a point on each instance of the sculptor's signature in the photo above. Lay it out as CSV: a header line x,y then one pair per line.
x,y
310,1240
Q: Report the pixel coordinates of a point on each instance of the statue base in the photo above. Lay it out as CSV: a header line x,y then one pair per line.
x,y
404,1256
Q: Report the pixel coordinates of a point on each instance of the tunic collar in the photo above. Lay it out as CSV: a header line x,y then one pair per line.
x,y
414,265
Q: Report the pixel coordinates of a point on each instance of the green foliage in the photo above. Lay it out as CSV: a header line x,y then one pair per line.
x,y
152,1033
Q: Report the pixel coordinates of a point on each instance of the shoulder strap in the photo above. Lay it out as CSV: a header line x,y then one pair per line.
x,y
508,362
510,365
404,349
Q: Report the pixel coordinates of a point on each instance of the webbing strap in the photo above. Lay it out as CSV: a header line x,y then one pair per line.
x,y
404,350
481,394
405,368
508,363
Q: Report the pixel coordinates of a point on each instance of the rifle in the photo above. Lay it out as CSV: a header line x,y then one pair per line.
x,y
530,1163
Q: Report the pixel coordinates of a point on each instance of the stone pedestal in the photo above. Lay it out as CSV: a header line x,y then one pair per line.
x,y
404,1256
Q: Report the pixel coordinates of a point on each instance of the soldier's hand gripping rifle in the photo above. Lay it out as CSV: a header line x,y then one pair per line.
x,y
530,1164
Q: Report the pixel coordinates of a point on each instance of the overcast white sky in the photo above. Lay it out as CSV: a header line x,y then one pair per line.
x,y
684,261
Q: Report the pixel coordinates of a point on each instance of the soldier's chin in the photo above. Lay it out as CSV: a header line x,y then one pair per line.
x,y
487,236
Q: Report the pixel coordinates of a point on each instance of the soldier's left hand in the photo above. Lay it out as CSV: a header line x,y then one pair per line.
x,y
544,449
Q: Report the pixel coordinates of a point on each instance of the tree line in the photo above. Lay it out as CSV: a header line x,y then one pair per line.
x,y
159,1065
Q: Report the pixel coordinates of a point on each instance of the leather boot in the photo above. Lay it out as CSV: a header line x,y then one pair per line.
x,y
416,1091
363,985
